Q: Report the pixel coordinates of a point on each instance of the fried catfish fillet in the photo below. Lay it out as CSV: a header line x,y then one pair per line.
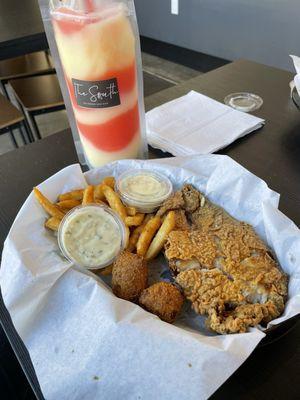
x,y
186,249
232,305
226,270
192,198
181,222
187,199
175,202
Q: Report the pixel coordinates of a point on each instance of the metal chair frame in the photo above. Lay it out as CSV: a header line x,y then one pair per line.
x,y
30,116
23,128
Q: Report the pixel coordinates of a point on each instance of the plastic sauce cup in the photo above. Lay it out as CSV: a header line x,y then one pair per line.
x,y
91,236
143,189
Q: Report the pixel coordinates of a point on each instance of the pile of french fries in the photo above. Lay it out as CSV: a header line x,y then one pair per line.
x,y
146,234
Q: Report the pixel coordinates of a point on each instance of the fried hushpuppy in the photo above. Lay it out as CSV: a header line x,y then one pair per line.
x,y
129,276
162,299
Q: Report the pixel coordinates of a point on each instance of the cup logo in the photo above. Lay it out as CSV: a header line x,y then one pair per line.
x,y
96,94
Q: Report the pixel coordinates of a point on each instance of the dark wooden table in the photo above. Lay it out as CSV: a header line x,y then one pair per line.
x,y
272,153
21,28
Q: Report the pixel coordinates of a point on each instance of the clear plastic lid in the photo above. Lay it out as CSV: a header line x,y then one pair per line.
x,y
243,101
91,236
144,189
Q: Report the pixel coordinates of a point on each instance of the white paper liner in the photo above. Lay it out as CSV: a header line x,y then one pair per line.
x,y
296,61
85,343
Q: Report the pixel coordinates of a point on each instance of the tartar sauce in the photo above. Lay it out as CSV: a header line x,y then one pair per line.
x,y
91,236
144,189
143,186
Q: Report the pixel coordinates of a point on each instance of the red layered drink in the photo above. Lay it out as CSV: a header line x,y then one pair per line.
x,y
97,51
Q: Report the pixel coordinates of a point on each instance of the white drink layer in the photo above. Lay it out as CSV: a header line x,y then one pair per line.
x,y
97,157
97,48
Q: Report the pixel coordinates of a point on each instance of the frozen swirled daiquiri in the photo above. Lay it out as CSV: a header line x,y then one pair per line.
x,y
97,48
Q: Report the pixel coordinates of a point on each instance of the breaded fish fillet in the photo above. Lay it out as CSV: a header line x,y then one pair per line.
x,y
187,199
231,304
181,222
226,270
175,202
186,249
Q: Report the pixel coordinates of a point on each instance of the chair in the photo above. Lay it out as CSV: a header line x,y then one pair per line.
x,y
11,118
37,95
32,64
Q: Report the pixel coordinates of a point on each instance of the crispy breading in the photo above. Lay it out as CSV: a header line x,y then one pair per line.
x,y
208,216
239,320
226,270
261,269
181,222
188,199
163,299
208,289
191,245
129,276
191,198
238,246
232,305
175,202
236,240
183,265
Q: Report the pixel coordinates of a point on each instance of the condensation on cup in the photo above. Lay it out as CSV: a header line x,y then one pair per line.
x,y
98,45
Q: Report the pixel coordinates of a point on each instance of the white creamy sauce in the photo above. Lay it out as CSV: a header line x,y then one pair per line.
x,y
143,187
91,236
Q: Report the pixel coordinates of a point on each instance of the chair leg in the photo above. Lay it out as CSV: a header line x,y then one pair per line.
x,y
3,89
27,116
47,54
21,127
36,128
27,131
13,139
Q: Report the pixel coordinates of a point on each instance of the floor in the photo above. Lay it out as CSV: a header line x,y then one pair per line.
x,y
159,74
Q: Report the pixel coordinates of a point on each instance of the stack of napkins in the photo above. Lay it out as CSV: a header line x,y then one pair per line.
x,y
197,124
297,77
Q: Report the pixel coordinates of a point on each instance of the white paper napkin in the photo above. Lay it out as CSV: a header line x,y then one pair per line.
x,y
296,61
197,124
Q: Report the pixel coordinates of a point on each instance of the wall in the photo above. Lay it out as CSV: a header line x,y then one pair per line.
x,y
266,31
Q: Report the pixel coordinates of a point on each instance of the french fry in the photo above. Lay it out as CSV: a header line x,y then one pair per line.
x,y
100,202
53,223
88,195
134,237
68,204
98,192
147,234
131,211
74,195
109,181
127,235
49,207
134,221
64,210
160,238
114,201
